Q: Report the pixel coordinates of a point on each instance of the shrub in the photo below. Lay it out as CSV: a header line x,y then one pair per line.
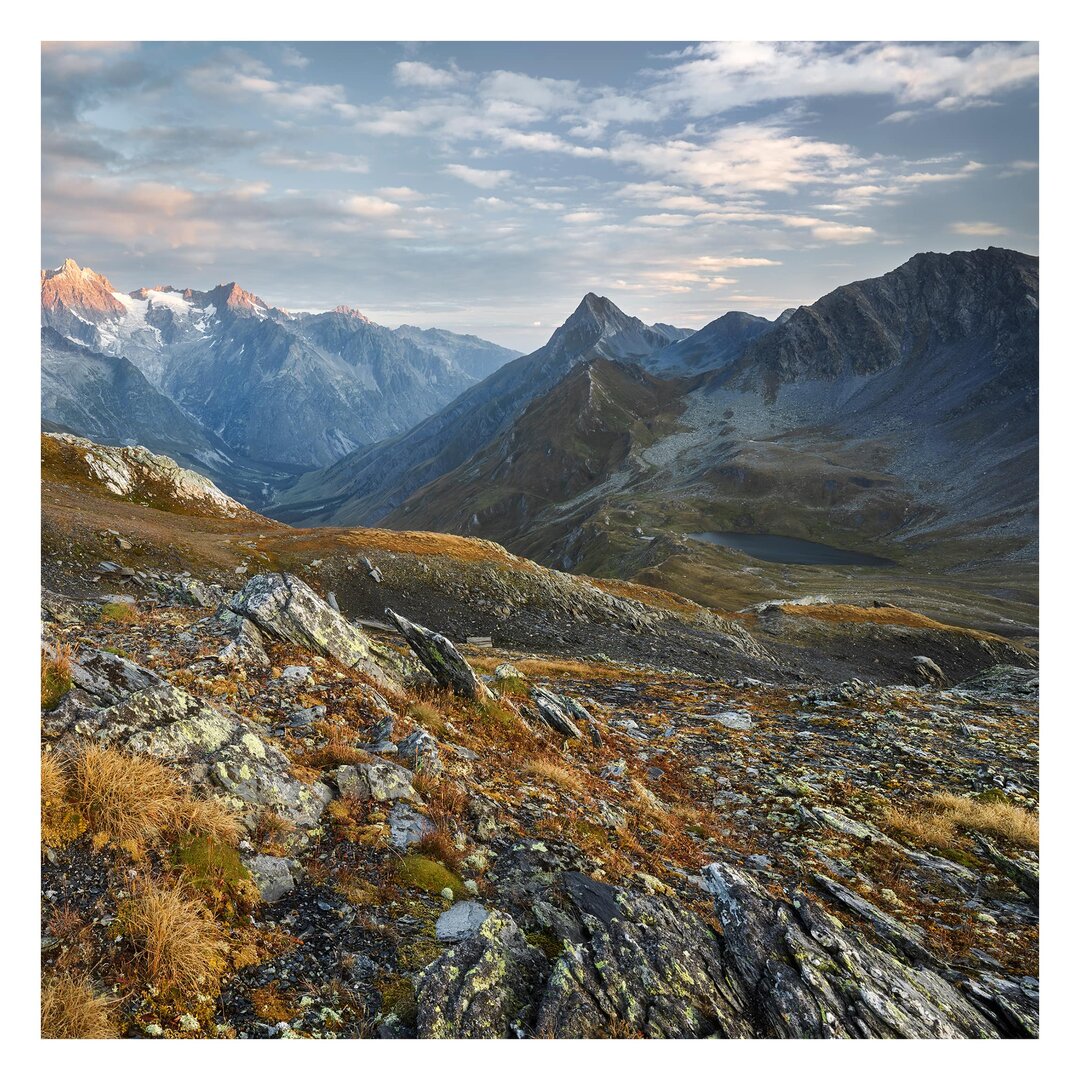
x,y
71,1010
55,677
122,795
176,941
119,612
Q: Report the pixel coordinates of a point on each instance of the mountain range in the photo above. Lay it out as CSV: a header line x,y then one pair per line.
x,y
268,389
895,417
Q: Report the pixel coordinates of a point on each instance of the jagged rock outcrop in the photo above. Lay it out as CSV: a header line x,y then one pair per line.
x,y
285,607
805,975
553,711
439,655
485,987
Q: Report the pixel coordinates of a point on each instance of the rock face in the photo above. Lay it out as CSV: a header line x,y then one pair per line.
x,y
483,988
439,655
286,608
554,712
805,976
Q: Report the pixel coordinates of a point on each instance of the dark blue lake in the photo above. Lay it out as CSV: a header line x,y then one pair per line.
x,y
787,549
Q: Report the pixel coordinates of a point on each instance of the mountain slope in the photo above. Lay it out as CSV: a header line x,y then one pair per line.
x,y
565,443
368,484
473,355
713,346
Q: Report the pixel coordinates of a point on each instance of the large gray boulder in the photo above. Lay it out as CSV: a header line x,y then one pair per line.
x,y
284,607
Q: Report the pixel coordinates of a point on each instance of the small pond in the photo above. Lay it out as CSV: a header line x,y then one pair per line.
x,y
787,549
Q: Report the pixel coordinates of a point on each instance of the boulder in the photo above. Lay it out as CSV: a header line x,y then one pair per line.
x,y
284,607
439,655
928,670
273,876
553,711
382,781
460,921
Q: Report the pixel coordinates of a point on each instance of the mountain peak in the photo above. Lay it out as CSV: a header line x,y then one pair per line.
x,y
353,313
78,290
230,297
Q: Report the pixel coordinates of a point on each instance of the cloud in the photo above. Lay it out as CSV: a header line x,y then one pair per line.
x,y
370,206
743,158
481,178
734,262
719,76
401,194
582,217
294,58
315,161
977,228
235,76
417,73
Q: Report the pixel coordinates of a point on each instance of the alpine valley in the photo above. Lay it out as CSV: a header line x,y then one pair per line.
x,y
658,683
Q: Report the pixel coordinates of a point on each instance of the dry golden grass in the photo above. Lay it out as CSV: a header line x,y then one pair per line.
x,y
550,770
119,611
937,823
55,676
923,827
1000,818
211,818
439,846
60,822
71,1010
444,800
123,795
885,616
425,714
177,942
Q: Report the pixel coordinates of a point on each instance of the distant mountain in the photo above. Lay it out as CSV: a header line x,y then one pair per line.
x,y
713,346
292,391
368,484
473,355
568,442
895,416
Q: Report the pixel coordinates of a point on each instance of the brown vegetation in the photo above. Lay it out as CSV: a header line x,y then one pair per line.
x,y
177,942
70,1009
936,823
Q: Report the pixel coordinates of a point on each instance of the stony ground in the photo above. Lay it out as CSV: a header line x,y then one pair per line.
x,y
268,814
415,849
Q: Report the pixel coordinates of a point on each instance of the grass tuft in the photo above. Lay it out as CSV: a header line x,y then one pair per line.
x,y
70,1009
936,824
176,940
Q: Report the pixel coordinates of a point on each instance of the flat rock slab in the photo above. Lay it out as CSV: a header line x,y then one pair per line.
x,y
461,921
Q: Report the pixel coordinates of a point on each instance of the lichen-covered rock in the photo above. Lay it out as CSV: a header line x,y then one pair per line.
x,y
485,987
644,964
273,875
460,921
421,751
1003,680
382,781
554,713
928,671
439,655
805,974
407,826
283,606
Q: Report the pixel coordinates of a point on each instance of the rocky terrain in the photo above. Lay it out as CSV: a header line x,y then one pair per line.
x,y
284,795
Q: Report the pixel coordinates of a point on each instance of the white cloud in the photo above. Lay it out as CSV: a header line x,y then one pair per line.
x,y
370,206
977,228
417,73
481,178
401,194
582,217
315,161
719,76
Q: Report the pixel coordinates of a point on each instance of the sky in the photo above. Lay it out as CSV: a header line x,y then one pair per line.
x,y
486,187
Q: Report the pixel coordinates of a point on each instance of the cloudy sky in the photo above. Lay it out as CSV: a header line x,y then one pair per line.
x,y
485,187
